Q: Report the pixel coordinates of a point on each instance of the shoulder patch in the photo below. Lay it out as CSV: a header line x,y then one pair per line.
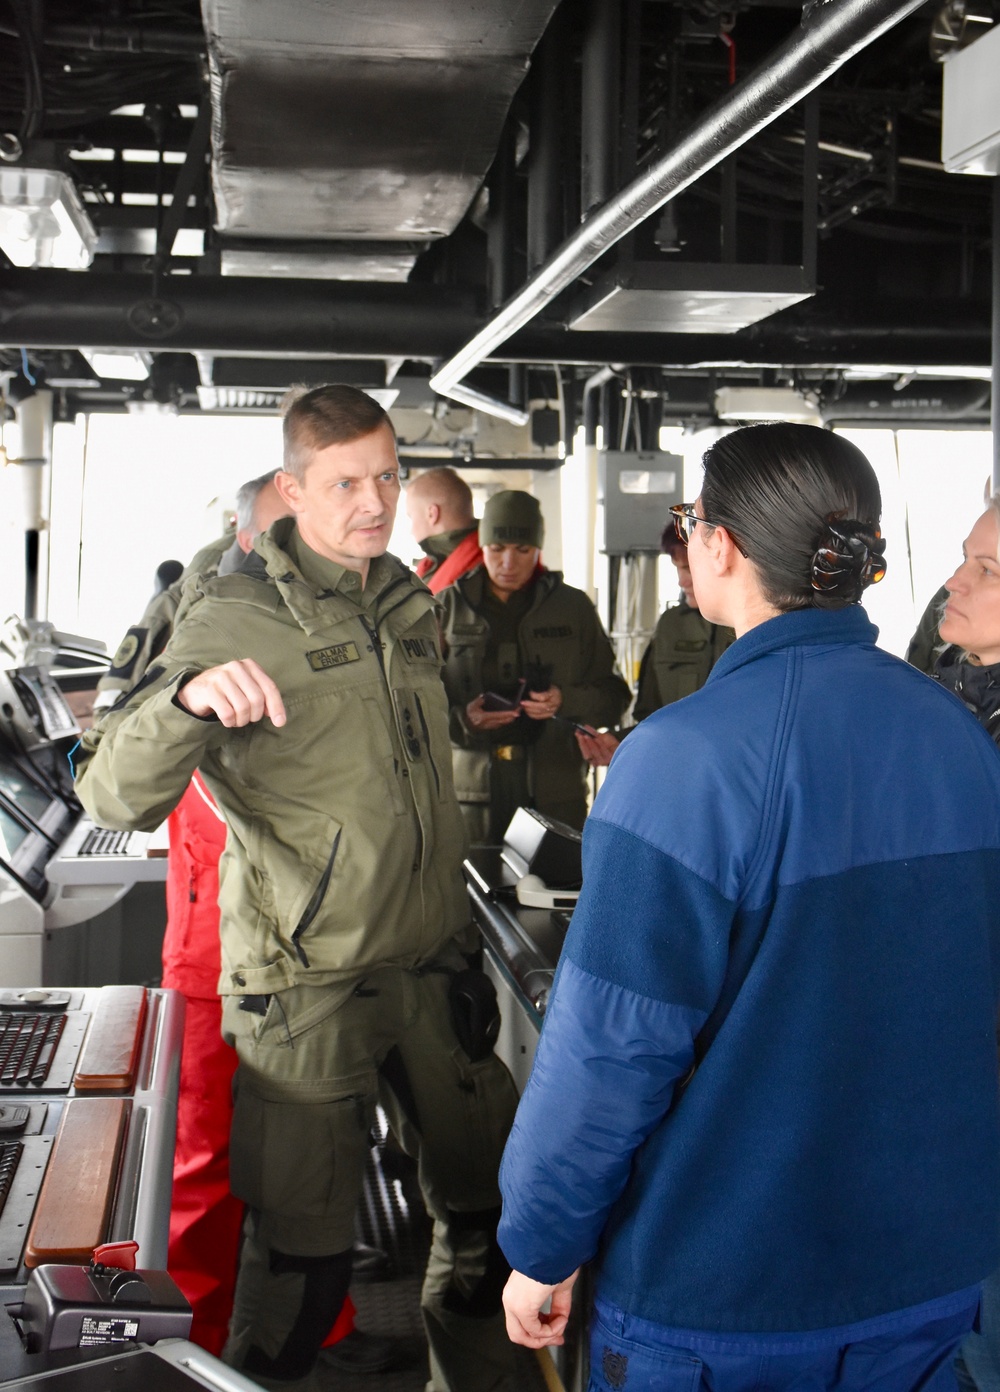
x,y
128,650
420,649
320,659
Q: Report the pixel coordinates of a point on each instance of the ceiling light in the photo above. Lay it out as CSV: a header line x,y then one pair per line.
x,y
764,403
42,221
118,366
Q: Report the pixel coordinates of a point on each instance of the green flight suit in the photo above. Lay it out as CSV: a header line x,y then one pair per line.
x,y
489,646
682,651
343,914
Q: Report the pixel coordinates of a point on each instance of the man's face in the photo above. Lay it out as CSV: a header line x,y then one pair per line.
x,y
345,504
510,568
972,614
269,506
683,568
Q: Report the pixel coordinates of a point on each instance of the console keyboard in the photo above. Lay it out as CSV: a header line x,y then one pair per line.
x,y
102,841
27,1044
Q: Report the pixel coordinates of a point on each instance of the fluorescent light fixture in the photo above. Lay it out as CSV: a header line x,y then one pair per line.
x,y
42,221
118,366
764,403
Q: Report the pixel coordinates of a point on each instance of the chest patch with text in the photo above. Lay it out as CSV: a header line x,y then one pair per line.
x,y
554,631
321,659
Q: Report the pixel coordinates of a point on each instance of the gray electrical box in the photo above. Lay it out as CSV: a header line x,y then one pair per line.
x,y
637,488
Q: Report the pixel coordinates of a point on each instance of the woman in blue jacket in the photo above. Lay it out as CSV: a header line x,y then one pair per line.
x,y
765,1098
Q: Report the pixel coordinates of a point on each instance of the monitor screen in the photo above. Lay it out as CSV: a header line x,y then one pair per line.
x,y
12,836
23,791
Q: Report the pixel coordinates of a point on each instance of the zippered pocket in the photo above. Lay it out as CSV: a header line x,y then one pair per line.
x,y
315,900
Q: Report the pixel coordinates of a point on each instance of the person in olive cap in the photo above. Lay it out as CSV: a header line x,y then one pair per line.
x,y
526,660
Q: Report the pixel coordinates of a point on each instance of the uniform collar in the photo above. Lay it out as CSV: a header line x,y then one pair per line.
x,y
801,628
305,579
443,544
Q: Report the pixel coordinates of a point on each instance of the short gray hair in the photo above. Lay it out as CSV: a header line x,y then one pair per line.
x,y
246,500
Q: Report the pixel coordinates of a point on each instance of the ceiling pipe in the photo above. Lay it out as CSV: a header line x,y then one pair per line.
x,y
834,32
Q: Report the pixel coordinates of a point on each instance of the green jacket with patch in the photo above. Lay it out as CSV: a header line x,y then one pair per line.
x,y
683,650
563,631
345,838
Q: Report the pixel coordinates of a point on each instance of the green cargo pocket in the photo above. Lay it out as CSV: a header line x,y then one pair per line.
x,y
303,1159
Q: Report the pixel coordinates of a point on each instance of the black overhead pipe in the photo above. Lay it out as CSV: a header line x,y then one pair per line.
x,y
500,223
62,309
545,174
600,103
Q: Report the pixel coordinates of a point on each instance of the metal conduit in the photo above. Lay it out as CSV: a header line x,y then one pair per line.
x,y
835,31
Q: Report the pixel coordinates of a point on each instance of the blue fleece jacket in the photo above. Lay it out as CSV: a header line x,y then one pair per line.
x,y
806,855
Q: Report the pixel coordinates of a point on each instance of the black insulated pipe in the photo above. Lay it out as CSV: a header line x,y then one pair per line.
x,y
835,31
545,175
600,104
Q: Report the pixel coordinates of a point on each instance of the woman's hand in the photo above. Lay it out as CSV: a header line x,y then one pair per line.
x,y
542,705
477,718
597,747
523,1299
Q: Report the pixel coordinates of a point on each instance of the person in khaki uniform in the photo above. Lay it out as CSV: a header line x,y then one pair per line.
x,y
682,651
306,687
526,658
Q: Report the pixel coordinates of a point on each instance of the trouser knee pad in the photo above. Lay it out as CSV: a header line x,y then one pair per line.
x,y
325,1281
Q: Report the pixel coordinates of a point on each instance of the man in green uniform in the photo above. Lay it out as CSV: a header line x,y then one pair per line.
x,y
526,658
682,651
306,687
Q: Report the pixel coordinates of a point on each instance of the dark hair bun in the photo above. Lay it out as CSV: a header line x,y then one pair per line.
x,y
850,557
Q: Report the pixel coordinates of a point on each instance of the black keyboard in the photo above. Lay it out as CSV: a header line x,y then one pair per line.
x,y
27,1044
101,841
10,1153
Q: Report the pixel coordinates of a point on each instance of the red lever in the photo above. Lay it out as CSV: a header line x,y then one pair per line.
x,y
117,1254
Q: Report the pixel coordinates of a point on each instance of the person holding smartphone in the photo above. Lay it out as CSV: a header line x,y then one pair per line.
x,y
526,661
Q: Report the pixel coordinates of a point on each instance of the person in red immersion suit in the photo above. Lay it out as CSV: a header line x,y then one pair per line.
x,y
439,508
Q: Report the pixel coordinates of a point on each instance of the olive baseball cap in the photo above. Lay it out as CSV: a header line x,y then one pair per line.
x,y
512,518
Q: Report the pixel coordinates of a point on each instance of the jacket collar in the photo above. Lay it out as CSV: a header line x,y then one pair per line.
x,y
389,582
801,628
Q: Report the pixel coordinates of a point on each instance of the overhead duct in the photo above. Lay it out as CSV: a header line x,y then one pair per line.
x,y
342,120
831,34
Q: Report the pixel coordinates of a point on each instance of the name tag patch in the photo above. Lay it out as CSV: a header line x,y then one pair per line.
x,y
554,631
320,659
419,649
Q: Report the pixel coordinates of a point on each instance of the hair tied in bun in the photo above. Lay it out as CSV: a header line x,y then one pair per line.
x,y
849,558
